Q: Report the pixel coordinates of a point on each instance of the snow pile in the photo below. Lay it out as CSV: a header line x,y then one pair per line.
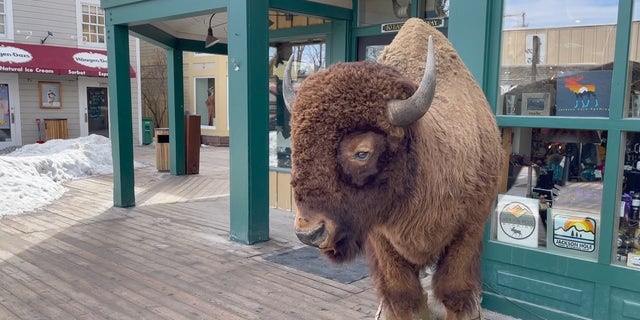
x,y
32,176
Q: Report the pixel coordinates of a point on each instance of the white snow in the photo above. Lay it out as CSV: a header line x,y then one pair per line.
x,y
31,177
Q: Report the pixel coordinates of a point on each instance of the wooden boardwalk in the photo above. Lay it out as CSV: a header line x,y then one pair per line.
x,y
167,258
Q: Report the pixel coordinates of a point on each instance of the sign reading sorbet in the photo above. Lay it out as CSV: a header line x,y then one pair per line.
x,y
29,58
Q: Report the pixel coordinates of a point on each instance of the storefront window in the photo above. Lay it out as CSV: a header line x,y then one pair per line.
x,y
627,237
309,57
552,195
383,11
556,60
633,108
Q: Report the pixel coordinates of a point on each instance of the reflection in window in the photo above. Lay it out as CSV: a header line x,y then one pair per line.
x,y
557,61
308,58
552,193
633,107
627,240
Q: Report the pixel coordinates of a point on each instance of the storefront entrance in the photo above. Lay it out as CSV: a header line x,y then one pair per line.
x,y
9,111
94,106
98,111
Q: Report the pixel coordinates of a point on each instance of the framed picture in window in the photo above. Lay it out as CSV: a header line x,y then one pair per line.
x,y
50,95
536,104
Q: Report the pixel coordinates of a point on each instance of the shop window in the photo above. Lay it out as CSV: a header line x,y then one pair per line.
x,y
551,194
383,11
308,58
3,18
627,237
205,101
285,20
91,25
557,61
6,24
633,108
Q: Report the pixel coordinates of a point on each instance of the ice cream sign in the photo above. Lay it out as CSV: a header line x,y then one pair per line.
x,y
91,59
14,55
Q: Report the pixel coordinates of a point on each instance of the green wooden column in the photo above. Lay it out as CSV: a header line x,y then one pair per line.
x,y
175,94
121,129
248,120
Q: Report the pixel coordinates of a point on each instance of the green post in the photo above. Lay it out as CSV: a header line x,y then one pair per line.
x,y
175,86
121,130
248,120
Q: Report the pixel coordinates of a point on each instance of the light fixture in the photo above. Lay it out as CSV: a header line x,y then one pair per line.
x,y
210,40
49,34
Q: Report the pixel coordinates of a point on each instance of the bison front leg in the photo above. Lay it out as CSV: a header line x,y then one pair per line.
x,y
456,281
396,281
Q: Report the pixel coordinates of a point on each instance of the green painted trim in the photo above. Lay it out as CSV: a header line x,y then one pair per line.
x,y
611,196
248,118
121,129
154,35
105,4
619,85
175,88
339,42
468,33
568,123
301,32
281,170
198,46
157,10
312,8
494,38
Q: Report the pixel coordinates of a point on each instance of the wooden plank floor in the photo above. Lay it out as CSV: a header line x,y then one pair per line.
x,y
167,258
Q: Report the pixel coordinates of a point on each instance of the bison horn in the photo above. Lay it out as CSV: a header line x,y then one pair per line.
x,y
405,112
287,87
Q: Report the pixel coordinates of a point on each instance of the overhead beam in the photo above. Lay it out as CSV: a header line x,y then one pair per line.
x,y
312,8
136,12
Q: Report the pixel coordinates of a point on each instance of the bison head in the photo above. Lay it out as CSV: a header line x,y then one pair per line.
x,y
351,150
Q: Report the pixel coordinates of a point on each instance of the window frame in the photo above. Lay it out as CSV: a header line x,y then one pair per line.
x,y
8,11
80,23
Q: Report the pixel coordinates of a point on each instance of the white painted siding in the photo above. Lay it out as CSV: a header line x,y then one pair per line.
x,y
30,22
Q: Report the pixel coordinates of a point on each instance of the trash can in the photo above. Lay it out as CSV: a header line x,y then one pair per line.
x,y
147,131
162,149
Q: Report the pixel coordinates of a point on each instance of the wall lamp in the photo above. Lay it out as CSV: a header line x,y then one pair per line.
x,y
49,34
210,40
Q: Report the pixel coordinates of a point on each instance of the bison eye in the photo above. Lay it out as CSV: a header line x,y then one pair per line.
x,y
362,155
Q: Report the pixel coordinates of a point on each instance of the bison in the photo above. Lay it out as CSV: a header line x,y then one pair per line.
x,y
399,161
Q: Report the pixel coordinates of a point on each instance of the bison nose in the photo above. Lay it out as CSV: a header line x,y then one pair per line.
x,y
313,237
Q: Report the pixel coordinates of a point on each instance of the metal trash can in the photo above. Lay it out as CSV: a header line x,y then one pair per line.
x,y
147,131
162,149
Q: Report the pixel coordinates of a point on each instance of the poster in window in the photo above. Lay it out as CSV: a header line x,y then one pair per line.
x,y
536,104
584,94
5,113
50,95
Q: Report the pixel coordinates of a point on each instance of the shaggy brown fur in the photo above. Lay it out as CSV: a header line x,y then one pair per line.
x,y
408,196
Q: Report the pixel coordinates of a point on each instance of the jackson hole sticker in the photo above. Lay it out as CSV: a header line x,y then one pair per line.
x,y
517,220
575,233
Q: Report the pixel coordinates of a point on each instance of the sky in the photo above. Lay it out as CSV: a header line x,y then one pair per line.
x,y
562,13
32,176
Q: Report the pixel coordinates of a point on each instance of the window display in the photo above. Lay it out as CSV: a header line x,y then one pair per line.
x,y
552,192
309,57
627,239
564,55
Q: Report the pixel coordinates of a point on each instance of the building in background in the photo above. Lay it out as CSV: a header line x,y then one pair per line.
x,y
53,71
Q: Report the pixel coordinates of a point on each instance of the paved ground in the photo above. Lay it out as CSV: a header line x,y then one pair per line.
x,y
168,257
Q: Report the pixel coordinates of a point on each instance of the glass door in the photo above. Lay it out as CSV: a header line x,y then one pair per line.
x,y
98,111
9,111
